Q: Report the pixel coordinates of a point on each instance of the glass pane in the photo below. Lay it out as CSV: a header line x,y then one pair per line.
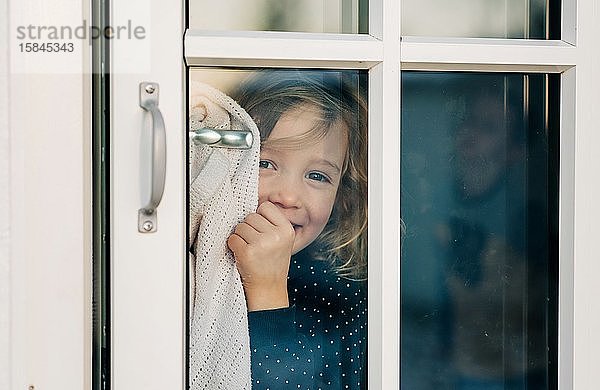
x,y
301,255
529,19
329,16
479,255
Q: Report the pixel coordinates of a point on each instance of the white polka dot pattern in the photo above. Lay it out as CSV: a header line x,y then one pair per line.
x,y
320,342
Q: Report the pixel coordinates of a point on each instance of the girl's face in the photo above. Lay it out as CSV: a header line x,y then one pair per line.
x,y
303,181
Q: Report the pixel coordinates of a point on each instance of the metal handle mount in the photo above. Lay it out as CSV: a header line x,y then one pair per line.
x,y
149,102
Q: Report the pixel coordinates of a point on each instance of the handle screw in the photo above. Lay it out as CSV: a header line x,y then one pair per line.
x,y
147,226
150,88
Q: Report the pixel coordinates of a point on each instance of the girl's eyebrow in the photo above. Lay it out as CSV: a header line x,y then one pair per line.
x,y
330,163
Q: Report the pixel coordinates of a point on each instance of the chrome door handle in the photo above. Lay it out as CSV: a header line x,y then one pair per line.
x,y
234,139
149,102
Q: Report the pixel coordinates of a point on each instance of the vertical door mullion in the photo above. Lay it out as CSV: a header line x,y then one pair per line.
x,y
384,200
566,229
586,211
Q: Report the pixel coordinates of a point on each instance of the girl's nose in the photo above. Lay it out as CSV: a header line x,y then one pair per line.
x,y
287,194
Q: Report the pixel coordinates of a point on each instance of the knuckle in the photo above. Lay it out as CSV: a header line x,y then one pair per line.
x,y
283,235
263,245
266,205
286,233
231,243
252,218
250,252
277,237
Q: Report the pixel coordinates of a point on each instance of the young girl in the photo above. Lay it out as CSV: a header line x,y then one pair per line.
x,y
302,255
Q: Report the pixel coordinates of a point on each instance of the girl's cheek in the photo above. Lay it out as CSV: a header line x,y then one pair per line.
x,y
262,199
262,191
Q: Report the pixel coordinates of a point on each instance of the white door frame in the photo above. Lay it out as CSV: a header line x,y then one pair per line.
x,y
49,281
45,180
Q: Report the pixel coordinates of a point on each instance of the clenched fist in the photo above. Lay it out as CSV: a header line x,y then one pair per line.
x,y
262,245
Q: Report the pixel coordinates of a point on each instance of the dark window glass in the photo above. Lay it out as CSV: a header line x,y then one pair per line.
x,y
479,200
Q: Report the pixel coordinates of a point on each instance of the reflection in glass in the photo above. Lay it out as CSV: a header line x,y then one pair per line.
x,y
328,16
478,18
479,195
301,255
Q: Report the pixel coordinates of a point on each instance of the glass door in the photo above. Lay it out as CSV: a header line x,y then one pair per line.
x,y
269,170
318,179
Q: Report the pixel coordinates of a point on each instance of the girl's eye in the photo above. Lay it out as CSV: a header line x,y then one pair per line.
x,y
317,176
264,164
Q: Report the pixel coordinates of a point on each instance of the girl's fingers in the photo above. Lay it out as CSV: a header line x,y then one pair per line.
x,y
273,214
258,222
247,232
235,243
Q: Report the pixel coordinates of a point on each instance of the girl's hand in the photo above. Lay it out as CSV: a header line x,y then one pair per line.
x,y
262,245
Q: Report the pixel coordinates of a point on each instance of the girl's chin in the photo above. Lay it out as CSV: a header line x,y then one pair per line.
x,y
304,238
298,247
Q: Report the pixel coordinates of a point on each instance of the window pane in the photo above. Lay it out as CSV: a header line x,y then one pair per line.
x,y
330,16
301,255
527,19
479,256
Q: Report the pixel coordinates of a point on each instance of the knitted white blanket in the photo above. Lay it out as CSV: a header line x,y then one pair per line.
x,y
223,190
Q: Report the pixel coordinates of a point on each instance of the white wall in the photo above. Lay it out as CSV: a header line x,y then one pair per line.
x,y
44,205
4,197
